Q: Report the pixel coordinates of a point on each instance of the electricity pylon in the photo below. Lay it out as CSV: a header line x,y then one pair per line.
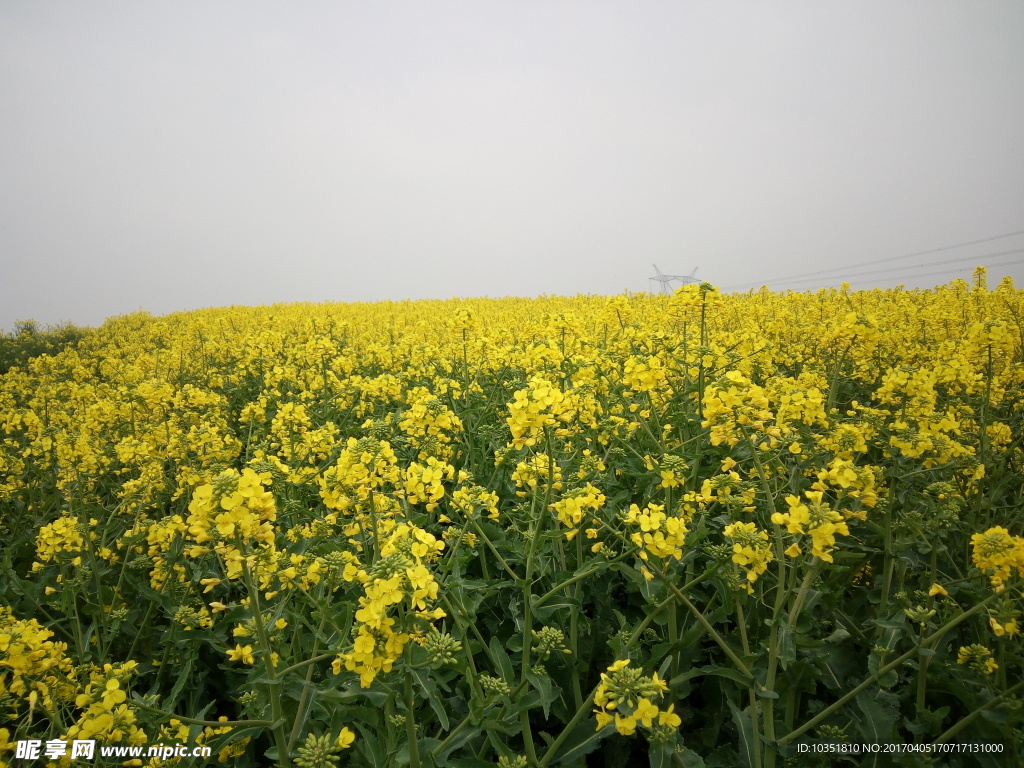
x,y
666,279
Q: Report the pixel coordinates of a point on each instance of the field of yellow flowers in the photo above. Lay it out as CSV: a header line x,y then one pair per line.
x,y
692,530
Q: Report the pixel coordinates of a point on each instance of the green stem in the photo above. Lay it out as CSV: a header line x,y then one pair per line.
x,y
452,734
524,724
673,638
755,726
801,593
573,579
702,620
205,723
307,662
582,711
792,697
889,560
276,710
574,648
524,712
490,546
930,640
373,527
769,706
954,729
304,696
410,718
471,626
781,597
922,669
442,572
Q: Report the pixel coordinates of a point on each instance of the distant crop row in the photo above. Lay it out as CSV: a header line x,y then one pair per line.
x,y
28,340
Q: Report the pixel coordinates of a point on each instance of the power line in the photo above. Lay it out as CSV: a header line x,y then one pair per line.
x,y
976,258
886,259
954,270
1008,262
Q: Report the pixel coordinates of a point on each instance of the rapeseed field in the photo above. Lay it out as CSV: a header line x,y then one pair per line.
x,y
693,529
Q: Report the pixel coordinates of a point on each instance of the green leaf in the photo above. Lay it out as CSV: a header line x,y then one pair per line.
x,y
429,690
503,661
548,693
839,664
787,654
470,762
425,748
218,742
889,679
663,669
691,759
375,697
660,755
464,736
162,599
504,726
746,733
895,624
368,744
558,604
838,636
731,674
583,740
880,711
184,675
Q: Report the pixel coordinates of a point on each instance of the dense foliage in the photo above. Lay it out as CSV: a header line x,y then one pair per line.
x,y
691,529
28,340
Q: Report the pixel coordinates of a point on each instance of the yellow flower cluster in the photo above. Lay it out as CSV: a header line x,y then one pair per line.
x,y
106,717
398,592
978,657
817,519
363,466
234,507
242,653
176,731
671,468
429,425
750,549
854,483
688,300
856,329
736,407
627,697
536,470
997,554
540,405
472,500
799,401
291,433
60,539
659,534
1000,628
644,374
32,666
572,508
727,489
845,440
425,484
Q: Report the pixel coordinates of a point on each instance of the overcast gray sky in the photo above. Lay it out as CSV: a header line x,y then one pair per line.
x,y
174,155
